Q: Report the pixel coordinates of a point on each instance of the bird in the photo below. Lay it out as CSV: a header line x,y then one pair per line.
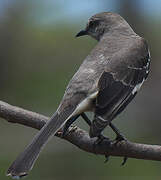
x,y
105,83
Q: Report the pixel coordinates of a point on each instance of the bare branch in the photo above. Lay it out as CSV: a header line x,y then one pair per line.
x,y
80,138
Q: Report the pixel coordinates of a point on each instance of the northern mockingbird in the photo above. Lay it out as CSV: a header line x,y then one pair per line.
x,y
108,79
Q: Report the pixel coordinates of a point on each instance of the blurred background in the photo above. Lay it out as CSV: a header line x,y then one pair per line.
x,y
39,55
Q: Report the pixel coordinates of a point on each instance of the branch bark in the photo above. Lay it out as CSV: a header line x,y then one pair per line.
x,y
80,138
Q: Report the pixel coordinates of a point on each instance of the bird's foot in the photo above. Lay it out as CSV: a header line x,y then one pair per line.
x,y
120,137
100,138
124,161
67,125
106,158
65,130
98,141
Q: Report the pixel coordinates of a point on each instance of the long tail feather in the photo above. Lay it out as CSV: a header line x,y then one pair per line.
x,y
25,161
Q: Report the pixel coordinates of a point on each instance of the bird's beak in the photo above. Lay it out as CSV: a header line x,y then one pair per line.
x,y
82,33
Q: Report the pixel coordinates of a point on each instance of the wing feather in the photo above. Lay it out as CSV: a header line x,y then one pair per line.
x,y
125,71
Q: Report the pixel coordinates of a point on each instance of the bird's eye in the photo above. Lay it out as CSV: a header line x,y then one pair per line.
x,y
93,23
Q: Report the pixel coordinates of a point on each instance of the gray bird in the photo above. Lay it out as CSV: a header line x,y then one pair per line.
x,y
108,79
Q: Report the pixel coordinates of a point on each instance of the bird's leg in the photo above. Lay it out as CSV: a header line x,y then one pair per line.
x,y
87,120
67,124
100,137
119,135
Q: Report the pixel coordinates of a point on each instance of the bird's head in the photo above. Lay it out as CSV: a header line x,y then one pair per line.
x,y
103,23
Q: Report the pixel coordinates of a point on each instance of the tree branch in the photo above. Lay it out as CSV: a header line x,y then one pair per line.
x,y
80,138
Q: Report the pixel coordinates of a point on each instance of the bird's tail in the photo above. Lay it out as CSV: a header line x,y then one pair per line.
x,y
25,161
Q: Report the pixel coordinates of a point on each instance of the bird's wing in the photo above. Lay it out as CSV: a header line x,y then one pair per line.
x,y
122,78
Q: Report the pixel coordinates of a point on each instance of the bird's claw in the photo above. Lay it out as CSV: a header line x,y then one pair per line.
x,y
124,161
106,158
100,139
119,138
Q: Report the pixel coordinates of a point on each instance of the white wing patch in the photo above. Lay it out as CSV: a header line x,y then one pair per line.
x,y
148,63
137,87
